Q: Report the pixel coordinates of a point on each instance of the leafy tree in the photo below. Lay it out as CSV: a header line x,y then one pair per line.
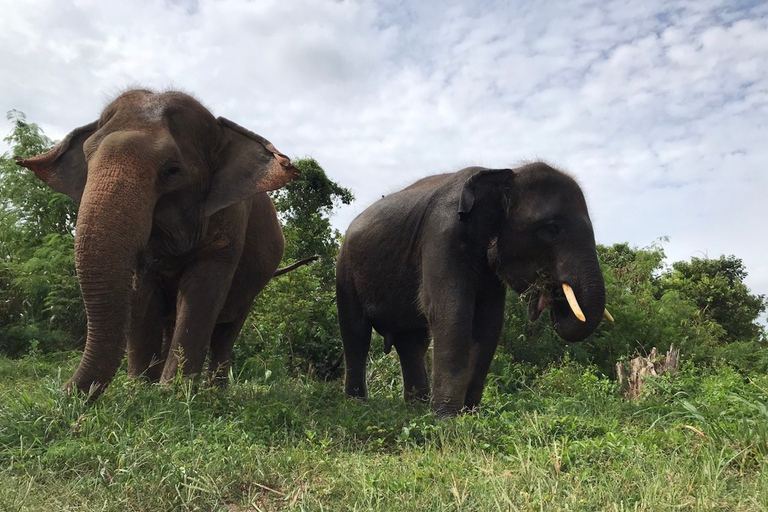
x,y
33,207
305,206
295,321
40,305
646,317
717,287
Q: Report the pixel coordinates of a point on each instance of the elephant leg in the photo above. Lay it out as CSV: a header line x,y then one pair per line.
x,y
452,366
255,270
486,329
222,343
356,339
202,292
411,348
169,326
145,339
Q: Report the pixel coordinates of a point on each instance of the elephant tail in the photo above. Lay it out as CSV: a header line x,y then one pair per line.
x,y
293,266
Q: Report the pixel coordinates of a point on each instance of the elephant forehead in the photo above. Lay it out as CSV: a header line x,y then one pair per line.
x,y
152,108
144,110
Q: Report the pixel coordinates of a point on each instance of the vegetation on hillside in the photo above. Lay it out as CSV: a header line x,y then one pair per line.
x,y
701,306
564,440
553,431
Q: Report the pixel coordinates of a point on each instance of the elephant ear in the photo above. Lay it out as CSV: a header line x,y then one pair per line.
x,y
248,164
478,186
63,168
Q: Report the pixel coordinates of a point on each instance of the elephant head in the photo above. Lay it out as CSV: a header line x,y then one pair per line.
x,y
147,176
541,242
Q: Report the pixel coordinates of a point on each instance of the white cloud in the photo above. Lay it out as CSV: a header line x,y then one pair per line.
x,y
658,107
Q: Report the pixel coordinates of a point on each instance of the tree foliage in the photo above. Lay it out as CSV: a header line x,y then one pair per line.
x,y
295,318
717,287
701,306
29,205
40,305
654,306
305,206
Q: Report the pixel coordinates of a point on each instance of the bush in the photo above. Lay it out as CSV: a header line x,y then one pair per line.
x,y
40,305
294,322
701,306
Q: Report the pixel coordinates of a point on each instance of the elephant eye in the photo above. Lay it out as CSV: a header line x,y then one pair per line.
x,y
550,230
170,171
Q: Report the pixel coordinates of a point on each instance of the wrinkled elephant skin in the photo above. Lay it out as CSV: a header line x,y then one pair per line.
x,y
175,233
432,261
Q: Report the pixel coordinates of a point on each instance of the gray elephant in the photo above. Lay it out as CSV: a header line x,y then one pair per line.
x,y
175,234
433,260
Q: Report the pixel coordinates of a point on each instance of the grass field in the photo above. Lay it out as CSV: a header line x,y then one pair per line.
x,y
563,440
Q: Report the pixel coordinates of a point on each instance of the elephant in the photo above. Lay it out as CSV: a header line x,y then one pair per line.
x,y
175,234
434,260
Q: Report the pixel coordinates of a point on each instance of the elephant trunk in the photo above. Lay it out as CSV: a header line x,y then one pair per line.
x,y
585,279
113,226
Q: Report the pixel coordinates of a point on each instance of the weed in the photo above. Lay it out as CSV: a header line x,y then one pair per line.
x,y
562,439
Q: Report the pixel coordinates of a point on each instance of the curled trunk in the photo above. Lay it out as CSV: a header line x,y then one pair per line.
x,y
586,280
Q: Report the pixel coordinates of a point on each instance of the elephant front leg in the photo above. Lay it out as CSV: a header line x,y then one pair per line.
x,y
452,365
145,339
486,329
202,292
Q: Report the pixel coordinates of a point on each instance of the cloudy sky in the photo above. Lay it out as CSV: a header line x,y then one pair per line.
x,y
659,107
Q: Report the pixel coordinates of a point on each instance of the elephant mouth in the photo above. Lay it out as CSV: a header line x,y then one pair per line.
x,y
540,297
561,299
538,301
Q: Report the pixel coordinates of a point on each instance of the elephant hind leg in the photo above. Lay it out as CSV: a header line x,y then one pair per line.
x,y
356,332
222,343
356,347
145,353
412,348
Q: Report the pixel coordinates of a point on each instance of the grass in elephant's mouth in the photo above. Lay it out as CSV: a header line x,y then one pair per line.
x,y
567,441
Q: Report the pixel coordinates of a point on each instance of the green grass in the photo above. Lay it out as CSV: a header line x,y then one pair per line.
x,y
562,441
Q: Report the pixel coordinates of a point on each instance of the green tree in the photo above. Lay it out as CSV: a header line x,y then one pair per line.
x,y
40,305
294,322
646,317
305,206
717,287
34,209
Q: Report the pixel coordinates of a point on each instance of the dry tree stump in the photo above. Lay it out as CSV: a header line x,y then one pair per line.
x,y
631,375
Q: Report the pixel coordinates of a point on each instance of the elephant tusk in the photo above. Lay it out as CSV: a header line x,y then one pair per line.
x,y
608,316
573,302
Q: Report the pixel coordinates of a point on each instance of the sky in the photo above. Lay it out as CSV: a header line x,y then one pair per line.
x,y
658,107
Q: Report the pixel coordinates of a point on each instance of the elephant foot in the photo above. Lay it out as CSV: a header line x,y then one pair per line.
x,y
444,410
85,387
356,392
417,396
